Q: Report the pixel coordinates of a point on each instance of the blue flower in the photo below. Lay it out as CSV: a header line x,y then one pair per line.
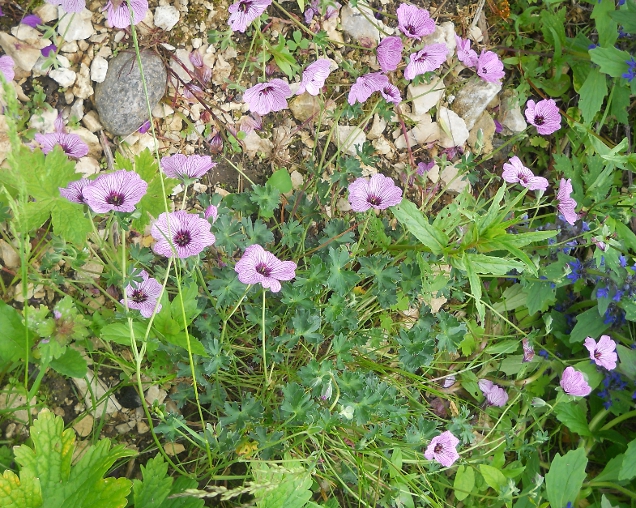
x,y
602,292
576,270
617,297
622,260
631,72
543,353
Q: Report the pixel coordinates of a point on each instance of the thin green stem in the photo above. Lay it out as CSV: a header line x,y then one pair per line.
x,y
263,342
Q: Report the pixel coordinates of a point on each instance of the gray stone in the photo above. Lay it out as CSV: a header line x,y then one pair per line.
x,y
510,115
120,99
358,23
473,99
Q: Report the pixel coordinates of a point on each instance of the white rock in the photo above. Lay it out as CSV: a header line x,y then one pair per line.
x,y
379,124
182,57
91,121
99,68
486,125
85,426
425,132
43,121
473,98
357,22
221,70
29,35
254,145
83,88
87,166
443,34
75,27
98,391
510,116
475,34
297,180
94,146
197,42
24,55
69,47
166,17
173,449
425,96
382,146
155,393
162,110
452,181
453,128
11,398
46,12
349,137
64,77
77,110
64,62
9,255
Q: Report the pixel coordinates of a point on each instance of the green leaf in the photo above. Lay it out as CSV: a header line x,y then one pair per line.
x,y
20,492
565,477
190,306
283,58
620,103
572,415
451,332
491,265
267,198
15,337
281,180
181,484
612,61
475,284
512,298
627,364
292,487
464,482
588,324
592,94
181,339
605,25
120,332
340,279
628,468
70,364
612,470
414,221
80,486
539,295
493,477
156,484
70,222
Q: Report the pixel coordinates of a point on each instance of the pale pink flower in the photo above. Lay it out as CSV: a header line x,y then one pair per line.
x,y
264,98
604,352
186,166
69,5
566,204
6,67
389,53
429,58
143,295
314,77
72,144
365,85
118,192
490,67
211,212
515,172
495,395
258,266
544,115
243,12
391,93
181,234
380,192
465,55
573,383
74,190
414,22
120,17
443,449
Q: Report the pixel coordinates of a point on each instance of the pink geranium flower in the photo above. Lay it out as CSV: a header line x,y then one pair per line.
x,y
118,192
6,67
267,97
490,67
544,115
414,22
243,12
258,266
211,212
515,172
389,53
391,93
429,58
443,449
74,191
119,17
181,234
314,77
602,353
565,204
380,192
573,383
365,85
186,166
143,295
495,395
465,55
69,5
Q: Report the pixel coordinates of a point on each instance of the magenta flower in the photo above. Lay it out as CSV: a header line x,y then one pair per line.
x,y
143,295
72,144
465,55
528,350
211,211
515,172
391,93
69,5
314,77
186,166
443,449
429,58
389,53
74,191
414,22
119,192
490,67
6,67
120,17
243,12
181,234
258,266
202,71
573,383
604,352
495,395
379,192
46,51
267,97
566,204
544,115
365,85
32,20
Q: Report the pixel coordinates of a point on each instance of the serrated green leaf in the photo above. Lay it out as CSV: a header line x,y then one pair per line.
x,y
14,335
292,489
156,484
628,467
71,364
572,415
491,265
605,25
539,295
70,222
612,61
588,324
565,477
414,221
464,482
593,93
22,492
493,477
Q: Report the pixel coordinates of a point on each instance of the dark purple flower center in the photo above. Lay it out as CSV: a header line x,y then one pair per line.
x,y
115,198
182,238
539,120
245,5
374,200
266,91
439,448
523,178
263,269
410,29
138,296
597,354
